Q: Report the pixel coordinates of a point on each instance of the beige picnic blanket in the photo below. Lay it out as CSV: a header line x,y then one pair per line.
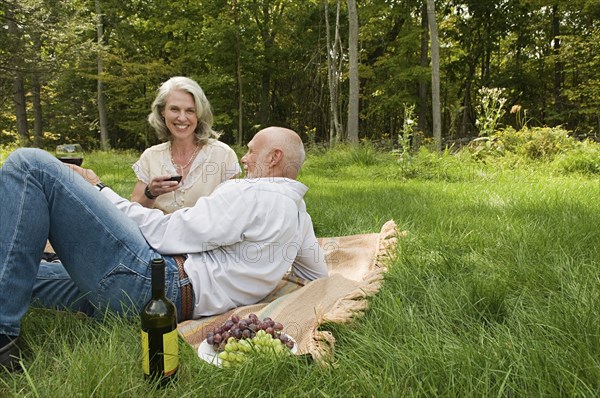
x,y
357,264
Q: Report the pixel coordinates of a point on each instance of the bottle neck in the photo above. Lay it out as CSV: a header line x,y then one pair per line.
x,y
158,279
158,292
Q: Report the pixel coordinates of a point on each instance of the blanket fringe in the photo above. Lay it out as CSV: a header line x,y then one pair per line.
x,y
354,303
321,347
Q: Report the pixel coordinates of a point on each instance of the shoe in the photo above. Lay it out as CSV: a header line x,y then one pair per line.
x,y
10,354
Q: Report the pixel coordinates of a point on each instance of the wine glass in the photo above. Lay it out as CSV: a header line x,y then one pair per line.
x,y
70,153
176,202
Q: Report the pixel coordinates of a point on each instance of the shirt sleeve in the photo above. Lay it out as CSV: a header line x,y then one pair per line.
x,y
216,220
310,261
141,168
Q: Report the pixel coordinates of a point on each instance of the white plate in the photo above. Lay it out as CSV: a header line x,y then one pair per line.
x,y
206,352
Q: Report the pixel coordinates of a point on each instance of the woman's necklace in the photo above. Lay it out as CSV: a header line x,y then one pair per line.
x,y
188,162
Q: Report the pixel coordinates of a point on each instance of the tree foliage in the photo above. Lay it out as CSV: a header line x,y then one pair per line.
x,y
265,62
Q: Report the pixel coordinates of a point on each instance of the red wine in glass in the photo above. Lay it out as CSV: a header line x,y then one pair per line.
x,y
70,153
71,160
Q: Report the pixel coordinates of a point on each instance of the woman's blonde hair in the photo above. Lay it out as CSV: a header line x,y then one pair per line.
x,y
204,114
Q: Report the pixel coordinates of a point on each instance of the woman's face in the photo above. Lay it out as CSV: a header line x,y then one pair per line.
x,y
180,114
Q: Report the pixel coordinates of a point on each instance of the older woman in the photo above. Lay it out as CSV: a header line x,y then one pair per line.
x,y
192,162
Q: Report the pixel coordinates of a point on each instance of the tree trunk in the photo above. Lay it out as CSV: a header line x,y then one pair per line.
x,y
339,72
487,53
353,96
36,91
329,49
267,32
20,109
424,63
558,65
518,52
18,81
104,143
466,117
435,76
333,60
238,71
264,97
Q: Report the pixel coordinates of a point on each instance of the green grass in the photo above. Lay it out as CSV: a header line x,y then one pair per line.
x,y
495,292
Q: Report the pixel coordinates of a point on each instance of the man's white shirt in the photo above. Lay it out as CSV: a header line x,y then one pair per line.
x,y
239,241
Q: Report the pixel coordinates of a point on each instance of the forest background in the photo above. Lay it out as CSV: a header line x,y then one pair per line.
x,y
87,71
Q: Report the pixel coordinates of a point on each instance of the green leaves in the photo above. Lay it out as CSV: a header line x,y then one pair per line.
x,y
265,62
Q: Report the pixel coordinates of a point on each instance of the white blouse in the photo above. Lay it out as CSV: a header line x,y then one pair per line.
x,y
215,163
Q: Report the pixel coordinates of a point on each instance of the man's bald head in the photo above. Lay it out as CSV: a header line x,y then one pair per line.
x,y
274,152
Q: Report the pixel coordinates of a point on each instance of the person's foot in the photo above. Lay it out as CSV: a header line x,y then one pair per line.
x,y
10,352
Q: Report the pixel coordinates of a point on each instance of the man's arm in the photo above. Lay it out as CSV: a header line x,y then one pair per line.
x,y
216,220
310,262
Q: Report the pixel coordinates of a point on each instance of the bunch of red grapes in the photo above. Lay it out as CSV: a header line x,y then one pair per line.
x,y
246,329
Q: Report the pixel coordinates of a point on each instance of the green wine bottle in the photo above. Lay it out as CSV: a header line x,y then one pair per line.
x,y
160,352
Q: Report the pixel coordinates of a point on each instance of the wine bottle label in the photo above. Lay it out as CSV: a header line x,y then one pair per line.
x,y
145,353
171,352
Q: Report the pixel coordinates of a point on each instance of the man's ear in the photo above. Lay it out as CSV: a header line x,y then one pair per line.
x,y
276,157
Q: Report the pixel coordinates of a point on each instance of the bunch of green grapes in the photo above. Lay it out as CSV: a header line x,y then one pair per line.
x,y
237,351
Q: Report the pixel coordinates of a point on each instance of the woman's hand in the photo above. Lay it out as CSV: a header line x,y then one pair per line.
x,y
161,185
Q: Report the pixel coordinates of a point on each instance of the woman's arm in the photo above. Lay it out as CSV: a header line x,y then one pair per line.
x,y
158,186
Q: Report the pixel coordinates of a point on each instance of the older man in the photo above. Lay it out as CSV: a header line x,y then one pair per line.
x,y
229,250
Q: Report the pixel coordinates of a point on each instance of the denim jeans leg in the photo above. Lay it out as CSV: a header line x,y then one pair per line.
x,y
103,252
55,289
21,243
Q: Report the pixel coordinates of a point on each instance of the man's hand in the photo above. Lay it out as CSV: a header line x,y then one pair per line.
x,y
88,174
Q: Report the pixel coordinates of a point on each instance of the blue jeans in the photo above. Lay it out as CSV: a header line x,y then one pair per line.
x,y
104,257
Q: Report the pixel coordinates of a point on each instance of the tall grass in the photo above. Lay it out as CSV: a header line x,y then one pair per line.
x,y
494,292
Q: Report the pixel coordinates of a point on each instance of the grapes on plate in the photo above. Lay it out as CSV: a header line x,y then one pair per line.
x,y
237,337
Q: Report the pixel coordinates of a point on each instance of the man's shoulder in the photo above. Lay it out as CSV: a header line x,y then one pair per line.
x,y
260,184
264,187
266,182
237,184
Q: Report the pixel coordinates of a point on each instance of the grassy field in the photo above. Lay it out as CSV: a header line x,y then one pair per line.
x,y
495,292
